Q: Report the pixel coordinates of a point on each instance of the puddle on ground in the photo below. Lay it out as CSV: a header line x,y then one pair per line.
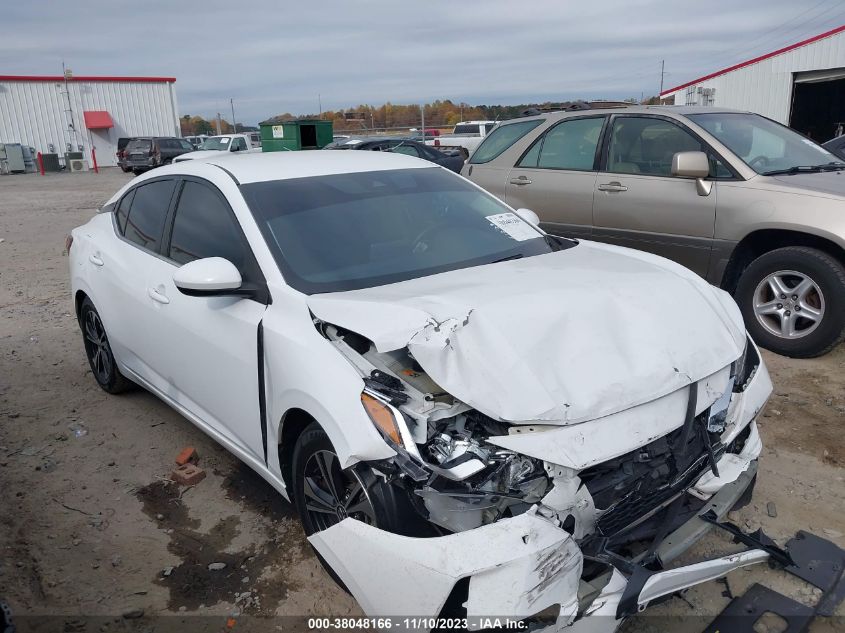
x,y
246,486
265,562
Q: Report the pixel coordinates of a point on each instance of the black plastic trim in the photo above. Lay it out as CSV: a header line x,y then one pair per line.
x,y
262,397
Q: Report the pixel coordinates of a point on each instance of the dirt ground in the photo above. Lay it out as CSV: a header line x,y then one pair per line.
x,y
90,525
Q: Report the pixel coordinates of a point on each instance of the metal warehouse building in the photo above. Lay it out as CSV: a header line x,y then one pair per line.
x,y
802,85
58,115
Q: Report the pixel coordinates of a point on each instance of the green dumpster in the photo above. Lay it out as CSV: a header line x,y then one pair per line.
x,y
280,136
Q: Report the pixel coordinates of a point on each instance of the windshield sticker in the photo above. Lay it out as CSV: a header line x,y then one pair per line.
x,y
224,140
515,227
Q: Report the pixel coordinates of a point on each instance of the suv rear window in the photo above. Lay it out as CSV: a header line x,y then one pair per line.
x,y
467,129
501,139
142,144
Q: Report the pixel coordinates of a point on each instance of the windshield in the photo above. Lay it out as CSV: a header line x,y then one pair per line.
x,y
765,146
351,231
216,143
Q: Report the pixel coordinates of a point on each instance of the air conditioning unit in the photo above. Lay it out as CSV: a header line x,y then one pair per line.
x,y
77,164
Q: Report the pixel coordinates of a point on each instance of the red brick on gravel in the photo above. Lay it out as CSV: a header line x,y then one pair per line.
x,y
187,474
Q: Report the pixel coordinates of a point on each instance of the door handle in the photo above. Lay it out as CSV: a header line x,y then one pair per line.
x,y
521,180
155,295
612,186
95,259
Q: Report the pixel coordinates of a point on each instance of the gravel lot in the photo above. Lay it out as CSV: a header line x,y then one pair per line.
x,y
92,527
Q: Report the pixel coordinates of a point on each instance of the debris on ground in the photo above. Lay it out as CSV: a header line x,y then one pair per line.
x,y
216,566
188,455
187,474
78,429
771,509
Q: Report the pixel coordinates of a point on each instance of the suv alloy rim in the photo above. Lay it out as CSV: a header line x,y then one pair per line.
x,y
332,494
789,304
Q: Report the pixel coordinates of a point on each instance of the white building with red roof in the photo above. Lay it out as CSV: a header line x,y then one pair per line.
x,y
801,85
60,115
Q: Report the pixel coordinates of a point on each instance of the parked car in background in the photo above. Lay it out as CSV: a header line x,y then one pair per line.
x,y
465,136
197,140
148,152
450,159
745,202
213,145
454,400
122,142
836,146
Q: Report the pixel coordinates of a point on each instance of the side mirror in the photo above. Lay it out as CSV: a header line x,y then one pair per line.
x,y
529,216
208,277
235,148
693,165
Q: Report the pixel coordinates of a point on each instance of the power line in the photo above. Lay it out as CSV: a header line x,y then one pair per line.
x,y
766,38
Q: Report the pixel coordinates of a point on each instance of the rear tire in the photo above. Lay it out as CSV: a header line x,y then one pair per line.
x,y
98,350
793,301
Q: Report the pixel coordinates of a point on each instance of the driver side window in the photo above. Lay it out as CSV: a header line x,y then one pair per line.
x,y
204,226
646,145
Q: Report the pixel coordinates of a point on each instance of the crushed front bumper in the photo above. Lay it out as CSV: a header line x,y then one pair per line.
x,y
517,568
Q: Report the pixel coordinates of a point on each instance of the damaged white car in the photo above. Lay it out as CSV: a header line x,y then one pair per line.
x,y
474,418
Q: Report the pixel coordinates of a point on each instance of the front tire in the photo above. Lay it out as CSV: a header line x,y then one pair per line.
x,y
97,349
793,301
325,493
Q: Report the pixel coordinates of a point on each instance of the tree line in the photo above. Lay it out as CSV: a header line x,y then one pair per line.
x,y
438,114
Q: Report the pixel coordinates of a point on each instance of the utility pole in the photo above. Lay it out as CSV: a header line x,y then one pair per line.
x,y
234,125
662,74
320,104
67,73
218,125
422,116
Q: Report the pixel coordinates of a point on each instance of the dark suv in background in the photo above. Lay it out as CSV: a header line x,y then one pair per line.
x,y
147,152
122,142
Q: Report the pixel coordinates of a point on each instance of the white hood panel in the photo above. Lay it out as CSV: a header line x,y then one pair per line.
x,y
559,338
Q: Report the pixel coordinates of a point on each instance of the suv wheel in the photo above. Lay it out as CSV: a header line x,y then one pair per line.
x,y
793,301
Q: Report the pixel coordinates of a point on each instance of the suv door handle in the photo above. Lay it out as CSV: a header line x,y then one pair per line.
x,y
155,295
612,186
521,180
95,259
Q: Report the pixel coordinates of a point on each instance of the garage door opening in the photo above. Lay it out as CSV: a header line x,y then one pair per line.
x,y
818,104
308,136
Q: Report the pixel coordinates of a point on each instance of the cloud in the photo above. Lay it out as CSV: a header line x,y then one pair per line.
x,y
273,57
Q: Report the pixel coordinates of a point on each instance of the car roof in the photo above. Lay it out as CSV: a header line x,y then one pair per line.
x,y
638,109
266,166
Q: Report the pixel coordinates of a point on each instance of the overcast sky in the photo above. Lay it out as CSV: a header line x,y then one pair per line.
x,y
275,57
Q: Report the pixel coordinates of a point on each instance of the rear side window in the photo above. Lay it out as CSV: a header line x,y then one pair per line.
x,y
205,227
569,145
145,223
501,139
185,145
122,211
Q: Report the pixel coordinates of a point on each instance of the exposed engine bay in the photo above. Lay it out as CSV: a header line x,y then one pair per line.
x,y
459,479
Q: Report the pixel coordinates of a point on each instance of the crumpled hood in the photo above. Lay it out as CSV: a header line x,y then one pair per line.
x,y
560,338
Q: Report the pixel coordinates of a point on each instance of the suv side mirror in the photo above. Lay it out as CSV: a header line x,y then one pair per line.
x,y
693,165
208,277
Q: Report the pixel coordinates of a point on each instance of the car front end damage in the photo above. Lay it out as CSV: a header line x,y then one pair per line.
x,y
563,523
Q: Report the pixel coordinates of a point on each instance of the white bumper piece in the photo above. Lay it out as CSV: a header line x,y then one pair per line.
x,y
517,568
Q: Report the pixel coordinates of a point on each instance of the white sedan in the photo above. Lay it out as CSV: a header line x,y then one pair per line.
x,y
466,411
